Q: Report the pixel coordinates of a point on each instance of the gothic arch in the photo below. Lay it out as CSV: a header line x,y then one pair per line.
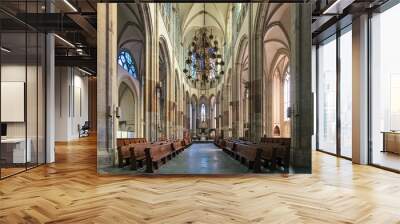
x,y
128,103
272,24
163,94
194,115
242,85
213,112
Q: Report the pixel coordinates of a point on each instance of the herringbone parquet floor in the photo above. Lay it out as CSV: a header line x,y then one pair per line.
x,y
70,191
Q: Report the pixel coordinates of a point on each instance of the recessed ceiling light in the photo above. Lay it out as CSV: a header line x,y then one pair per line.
x,y
332,6
70,5
64,40
5,50
85,72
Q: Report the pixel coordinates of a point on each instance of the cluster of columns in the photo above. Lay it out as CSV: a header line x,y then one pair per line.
x,y
230,115
234,105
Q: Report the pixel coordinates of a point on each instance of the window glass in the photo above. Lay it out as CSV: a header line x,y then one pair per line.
x,y
385,89
203,112
286,92
346,94
327,96
126,61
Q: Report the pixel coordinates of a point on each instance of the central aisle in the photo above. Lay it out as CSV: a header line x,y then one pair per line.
x,y
203,159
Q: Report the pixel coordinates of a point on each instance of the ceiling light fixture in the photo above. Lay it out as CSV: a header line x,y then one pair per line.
x,y
84,71
337,7
65,41
204,62
5,50
70,5
79,51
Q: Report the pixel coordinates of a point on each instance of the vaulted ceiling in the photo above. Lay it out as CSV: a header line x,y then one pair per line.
x,y
197,15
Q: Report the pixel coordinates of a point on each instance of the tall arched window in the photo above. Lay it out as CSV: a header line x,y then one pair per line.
x,y
190,116
203,112
126,61
286,95
215,116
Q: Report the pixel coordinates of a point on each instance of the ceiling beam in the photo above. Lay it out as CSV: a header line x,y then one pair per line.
x,y
49,22
337,7
81,61
204,1
84,24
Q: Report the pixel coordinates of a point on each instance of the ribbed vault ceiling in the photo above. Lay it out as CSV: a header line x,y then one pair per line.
x,y
192,18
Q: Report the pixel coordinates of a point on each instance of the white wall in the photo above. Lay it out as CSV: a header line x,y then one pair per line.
x,y
16,73
71,103
33,126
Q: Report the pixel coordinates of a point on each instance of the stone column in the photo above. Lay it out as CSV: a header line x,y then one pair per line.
x,y
107,89
301,81
50,96
235,98
360,90
256,80
151,100
268,113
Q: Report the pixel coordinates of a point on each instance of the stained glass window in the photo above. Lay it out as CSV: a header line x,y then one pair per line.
x,y
203,112
286,97
213,68
202,63
194,66
126,61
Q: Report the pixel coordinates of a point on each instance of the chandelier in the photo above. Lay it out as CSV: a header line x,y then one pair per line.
x,y
204,63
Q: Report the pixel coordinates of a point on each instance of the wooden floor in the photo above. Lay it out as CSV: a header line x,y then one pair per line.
x,y
70,191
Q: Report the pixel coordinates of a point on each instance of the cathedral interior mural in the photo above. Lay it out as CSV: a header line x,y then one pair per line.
x,y
179,111
203,88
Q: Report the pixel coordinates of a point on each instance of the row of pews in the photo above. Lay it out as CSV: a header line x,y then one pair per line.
x,y
270,153
138,153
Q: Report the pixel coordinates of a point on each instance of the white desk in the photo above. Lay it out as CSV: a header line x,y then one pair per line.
x,y
17,146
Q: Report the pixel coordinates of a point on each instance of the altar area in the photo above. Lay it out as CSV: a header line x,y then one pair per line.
x,y
203,134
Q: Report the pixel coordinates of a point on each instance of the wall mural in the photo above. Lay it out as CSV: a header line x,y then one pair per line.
x,y
216,98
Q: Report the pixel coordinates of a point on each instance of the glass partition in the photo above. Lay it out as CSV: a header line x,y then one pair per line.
x,y
22,90
15,150
385,89
327,96
346,93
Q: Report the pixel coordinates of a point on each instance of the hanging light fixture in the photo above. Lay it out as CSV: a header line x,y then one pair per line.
x,y
204,62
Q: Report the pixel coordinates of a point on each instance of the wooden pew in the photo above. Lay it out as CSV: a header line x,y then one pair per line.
x,y
135,152
120,142
249,155
138,155
156,154
269,155
187,142
132,155
220,142
282,156
272,153
275,155
230,147
178,147
128,141
285,141
124,155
